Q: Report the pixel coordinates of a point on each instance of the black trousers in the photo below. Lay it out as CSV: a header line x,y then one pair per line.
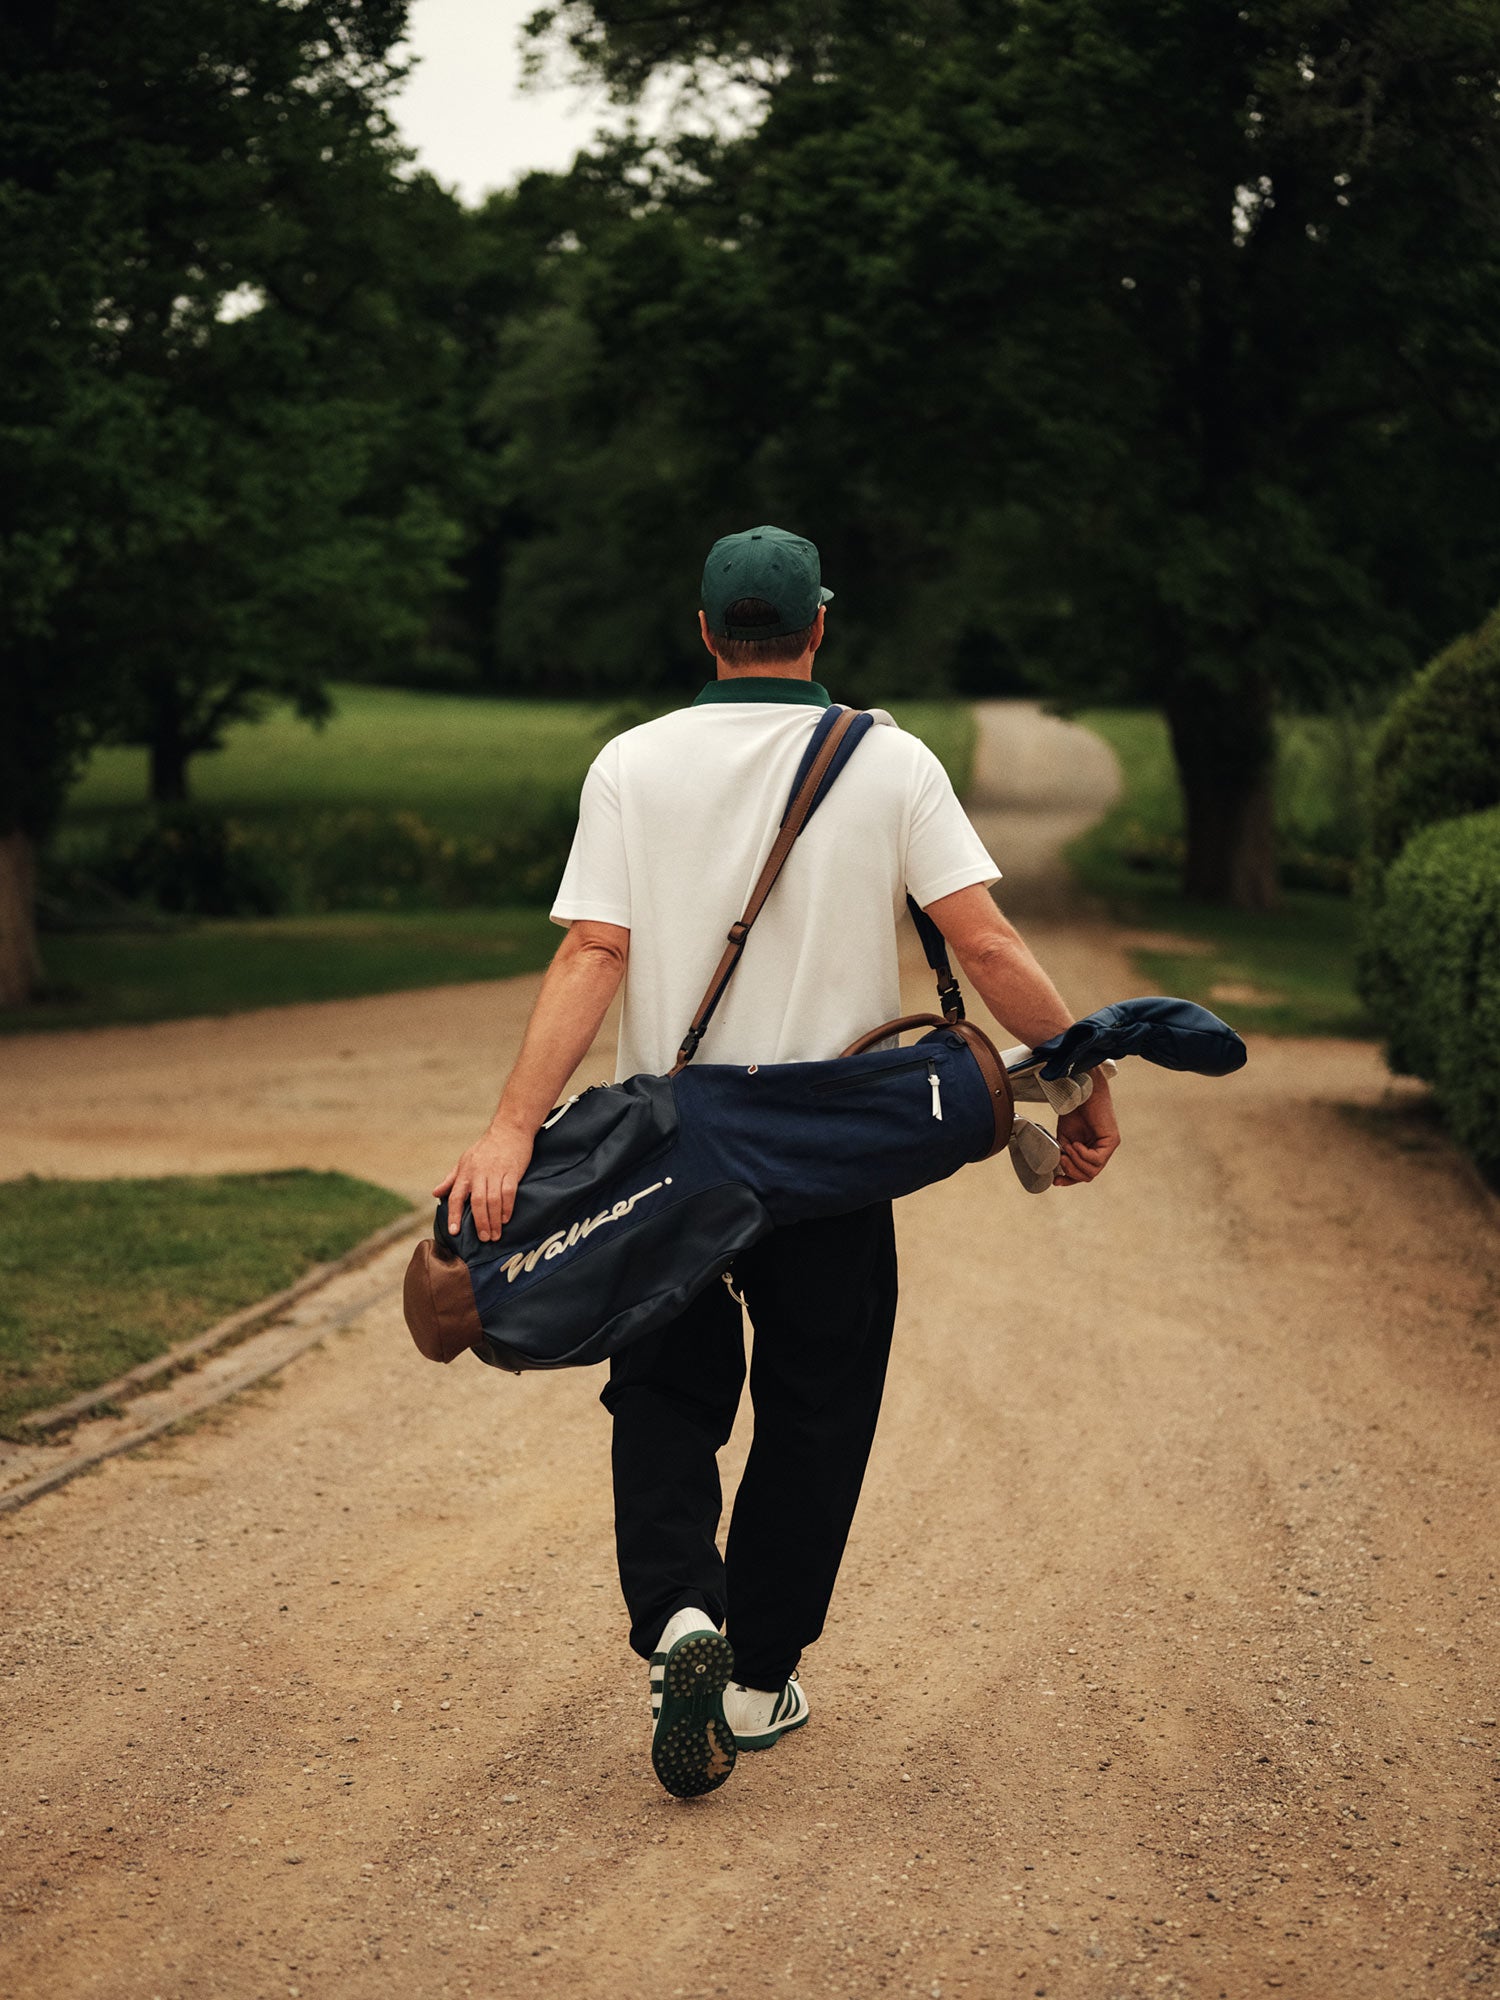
x,y
822,1297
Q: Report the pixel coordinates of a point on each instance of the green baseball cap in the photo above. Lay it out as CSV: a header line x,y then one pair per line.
x,y
783,569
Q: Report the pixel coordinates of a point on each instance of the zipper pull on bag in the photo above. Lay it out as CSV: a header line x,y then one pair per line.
x,y
937,1092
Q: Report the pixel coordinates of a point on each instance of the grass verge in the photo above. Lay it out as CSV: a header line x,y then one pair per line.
x,y
1289,971
101,1275
99,978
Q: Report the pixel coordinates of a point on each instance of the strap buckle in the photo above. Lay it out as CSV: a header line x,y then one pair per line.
x,y
951,998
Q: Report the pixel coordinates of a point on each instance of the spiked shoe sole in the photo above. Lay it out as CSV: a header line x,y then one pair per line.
x,y
692,1746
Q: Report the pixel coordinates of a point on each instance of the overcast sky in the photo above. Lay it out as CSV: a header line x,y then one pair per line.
x,y
463,109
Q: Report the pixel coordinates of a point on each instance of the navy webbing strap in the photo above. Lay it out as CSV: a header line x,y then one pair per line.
x,y
935,945
849,740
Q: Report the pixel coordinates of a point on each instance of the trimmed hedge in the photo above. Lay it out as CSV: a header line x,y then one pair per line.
x,y
1430,971
1438,751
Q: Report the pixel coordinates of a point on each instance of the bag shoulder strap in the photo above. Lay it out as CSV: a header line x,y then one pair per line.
x,y
813,779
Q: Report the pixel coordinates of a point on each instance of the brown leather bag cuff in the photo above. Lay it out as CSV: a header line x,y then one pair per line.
x,y
439,1303
997,1082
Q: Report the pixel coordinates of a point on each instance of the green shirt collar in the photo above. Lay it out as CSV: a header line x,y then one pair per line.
x,y
766,687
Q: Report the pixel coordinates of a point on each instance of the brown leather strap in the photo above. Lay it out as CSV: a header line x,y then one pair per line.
x,y
791,826
889,1028
984,1052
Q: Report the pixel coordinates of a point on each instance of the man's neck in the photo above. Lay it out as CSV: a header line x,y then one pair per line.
x,y
793,670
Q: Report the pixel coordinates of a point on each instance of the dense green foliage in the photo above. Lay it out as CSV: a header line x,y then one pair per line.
x,y
153,1262
1129,353
1289,971
1438,753
1430,967
1145,351
1429,893
217,364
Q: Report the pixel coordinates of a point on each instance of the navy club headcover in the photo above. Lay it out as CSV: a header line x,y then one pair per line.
x,y
1174,1034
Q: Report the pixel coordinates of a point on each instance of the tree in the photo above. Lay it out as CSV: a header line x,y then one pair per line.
x,y
1153,346
303,475
221,484
612,462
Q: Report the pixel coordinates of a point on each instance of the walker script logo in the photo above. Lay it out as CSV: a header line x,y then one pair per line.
x,y
565,1239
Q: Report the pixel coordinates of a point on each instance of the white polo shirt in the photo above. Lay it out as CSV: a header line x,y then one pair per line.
x,y
674,826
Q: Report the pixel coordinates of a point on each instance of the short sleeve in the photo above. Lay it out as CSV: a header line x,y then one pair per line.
x,y
595,887
943,852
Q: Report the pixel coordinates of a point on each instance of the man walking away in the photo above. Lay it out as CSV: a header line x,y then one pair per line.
x,y
675,822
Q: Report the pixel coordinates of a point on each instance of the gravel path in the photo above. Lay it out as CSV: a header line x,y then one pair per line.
x,y
1163,1660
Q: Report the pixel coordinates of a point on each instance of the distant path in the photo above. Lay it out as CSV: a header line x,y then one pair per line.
x,y
1038,783
1162,1661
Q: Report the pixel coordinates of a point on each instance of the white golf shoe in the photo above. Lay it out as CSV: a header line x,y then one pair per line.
x,y
760,1718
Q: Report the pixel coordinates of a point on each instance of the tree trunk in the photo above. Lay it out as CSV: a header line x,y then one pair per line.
x,y
20,964
169,764
1225,745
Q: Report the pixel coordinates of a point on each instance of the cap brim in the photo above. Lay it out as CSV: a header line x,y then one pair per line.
x,y
825,596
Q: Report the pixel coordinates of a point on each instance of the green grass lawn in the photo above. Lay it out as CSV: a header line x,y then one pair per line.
x,y
144,1264
1302,955
463,764
100,977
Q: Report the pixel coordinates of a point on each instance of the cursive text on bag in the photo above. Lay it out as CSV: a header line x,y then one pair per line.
x,y
564,1239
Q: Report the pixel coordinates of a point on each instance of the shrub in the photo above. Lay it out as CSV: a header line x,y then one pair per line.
x,y
1438,751
191,860
197,862
1430,971
368,860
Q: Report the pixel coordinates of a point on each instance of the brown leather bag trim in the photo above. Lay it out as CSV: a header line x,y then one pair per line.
x,y
984,1052
992,1069
438,1299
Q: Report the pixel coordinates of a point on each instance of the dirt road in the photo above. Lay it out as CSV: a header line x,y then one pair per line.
x,y
1163,1661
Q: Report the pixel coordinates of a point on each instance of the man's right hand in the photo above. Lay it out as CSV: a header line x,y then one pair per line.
x,y
1087,1137
487,1178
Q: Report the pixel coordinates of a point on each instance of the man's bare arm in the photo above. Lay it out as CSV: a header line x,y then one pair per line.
x,y
999,964
579,984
